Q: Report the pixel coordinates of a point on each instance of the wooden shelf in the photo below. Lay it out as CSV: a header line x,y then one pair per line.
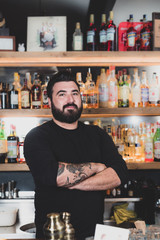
x,y
13,167
61,59
87,113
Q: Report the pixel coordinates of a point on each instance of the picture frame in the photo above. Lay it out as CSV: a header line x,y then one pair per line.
x,y
46,33
7,43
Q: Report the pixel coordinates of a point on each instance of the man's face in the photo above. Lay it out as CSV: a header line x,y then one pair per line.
x,y
66,102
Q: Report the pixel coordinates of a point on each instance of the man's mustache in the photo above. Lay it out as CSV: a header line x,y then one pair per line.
x,y
70,105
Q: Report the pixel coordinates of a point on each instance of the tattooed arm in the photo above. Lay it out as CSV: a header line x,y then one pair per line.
x,y
70,174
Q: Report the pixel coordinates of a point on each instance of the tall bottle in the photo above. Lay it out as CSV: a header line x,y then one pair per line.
x,y
91,35
78,38
131,35
36,93
18,87
4,96
82,89
145,36
103,34
144,90
153,92
156,144
92,92
111,34
112,89
45,103
148,145
13,94
12,143
3,143
25,96
123,90
103,89
136,90
143,140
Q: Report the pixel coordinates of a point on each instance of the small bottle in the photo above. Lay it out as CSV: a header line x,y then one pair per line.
x,y
25,96
144,90
111,33
131,35
103,89
156,144
103,34
136,90
3,143
91,35
78,38
148,145
36,93
12,143
112,89
153,92
145,36
45,103
4,96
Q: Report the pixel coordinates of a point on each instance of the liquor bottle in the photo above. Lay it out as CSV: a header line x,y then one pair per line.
x,y
25,96
138,147
91,35
12,143
148,145
18,87
3,143
144,90
13,97
36,92
45,103
124,90
78,38
145,36
103,89
82,89
103,34
92,92
28,77
4,96
143,140
111,34
20,157
119,143
120,85
153,92
156,144
112,89
136,90
131,35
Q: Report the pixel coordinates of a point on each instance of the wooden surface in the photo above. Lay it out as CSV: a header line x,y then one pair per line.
x,y
49,59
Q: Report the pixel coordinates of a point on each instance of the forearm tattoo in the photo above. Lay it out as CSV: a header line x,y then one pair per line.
x,y
61,168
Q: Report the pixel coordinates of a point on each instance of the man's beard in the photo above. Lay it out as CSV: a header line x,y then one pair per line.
x,y
70,116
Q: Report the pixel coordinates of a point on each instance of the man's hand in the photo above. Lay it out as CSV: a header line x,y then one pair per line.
x,y
70,174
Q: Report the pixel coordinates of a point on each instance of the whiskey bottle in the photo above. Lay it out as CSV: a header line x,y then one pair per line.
x,y
78,38
13,95
145,36
131,35
91,35
103,34
25,96
111,34
82,89
36,93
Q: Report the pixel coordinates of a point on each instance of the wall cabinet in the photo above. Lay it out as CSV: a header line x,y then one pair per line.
x,y
80,59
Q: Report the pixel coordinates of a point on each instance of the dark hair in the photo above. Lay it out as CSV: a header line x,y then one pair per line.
x,y
61,76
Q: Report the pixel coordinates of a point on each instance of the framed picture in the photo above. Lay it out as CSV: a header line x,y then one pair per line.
x,y
46,34
7,43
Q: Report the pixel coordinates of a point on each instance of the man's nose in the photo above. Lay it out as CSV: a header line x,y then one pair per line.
x,y
70,98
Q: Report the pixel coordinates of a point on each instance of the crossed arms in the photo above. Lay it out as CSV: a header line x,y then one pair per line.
x,y
87,176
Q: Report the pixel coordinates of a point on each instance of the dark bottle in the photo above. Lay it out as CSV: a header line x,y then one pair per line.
x,y
4,96
91,35
145,36
103,34
111,34
13,97
25,96
36,93
12,143
131,35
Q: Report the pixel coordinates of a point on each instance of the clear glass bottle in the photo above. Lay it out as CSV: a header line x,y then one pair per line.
x,y
111,33
103,89
153,92
156,144
103,34
91,35
36,92
131,35
144,90
136,90
45,103
78,38
148,145
112,89
25,96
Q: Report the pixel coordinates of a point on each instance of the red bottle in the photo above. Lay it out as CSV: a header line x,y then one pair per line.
x,y
131,35
103,34
111,34
91,35
145,36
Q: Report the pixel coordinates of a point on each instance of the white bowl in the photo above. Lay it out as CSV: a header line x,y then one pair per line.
x,y
8,216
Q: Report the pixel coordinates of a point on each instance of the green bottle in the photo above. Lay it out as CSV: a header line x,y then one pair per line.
x,y
156,144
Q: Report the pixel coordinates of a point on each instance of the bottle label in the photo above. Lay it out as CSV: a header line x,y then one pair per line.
x,y
144,94
113,93
3,145
12,149
36,103
90,36
103,36
157,149
153,94
124,92
131,39
110,34
103,92
148,150
78,43
25,99
14,99
44,97
136,95
145,37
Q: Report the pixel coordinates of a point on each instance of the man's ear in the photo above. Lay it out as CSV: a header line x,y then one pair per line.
x,y
49,102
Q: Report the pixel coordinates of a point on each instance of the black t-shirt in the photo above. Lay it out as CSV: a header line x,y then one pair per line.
x,y
48,144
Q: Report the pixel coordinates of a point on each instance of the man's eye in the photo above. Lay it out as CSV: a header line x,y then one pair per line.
x,y
61,94
76,94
